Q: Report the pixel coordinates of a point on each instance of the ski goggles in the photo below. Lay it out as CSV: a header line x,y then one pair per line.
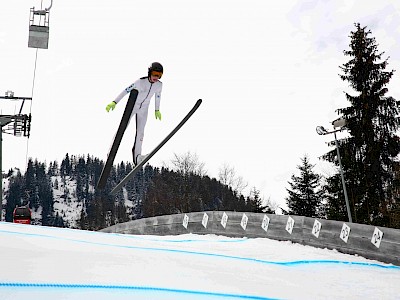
x,y
156,74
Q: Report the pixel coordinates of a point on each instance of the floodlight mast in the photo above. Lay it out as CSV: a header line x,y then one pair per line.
x,y
339,123
321,130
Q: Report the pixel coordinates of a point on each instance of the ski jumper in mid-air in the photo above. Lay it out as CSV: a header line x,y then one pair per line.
x,y
147,87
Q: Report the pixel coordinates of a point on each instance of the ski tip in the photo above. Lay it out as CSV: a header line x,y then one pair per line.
x,y
199,101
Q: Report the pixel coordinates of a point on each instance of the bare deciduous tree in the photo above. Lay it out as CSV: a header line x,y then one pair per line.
x,y
188,163
227,176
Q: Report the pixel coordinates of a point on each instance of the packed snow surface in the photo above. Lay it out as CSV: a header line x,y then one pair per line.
x,y
50,263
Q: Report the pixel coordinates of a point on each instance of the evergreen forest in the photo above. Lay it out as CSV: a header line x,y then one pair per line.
x,y
51,191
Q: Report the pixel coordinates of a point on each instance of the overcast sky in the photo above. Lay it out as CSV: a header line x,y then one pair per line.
x,y
267,72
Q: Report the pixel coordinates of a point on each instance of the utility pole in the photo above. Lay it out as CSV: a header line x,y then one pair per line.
x,y
4,120
18,125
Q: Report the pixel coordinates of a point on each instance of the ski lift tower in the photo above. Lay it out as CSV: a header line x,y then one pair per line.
x,y
39,28
4,120
18,125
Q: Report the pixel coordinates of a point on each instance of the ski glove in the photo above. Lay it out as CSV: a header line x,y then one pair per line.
x,y
158,114
110,106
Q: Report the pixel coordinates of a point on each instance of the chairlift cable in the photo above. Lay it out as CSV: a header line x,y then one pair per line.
x,y
32,92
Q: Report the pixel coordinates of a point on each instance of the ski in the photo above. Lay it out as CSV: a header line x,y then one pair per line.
x,y
117,139
150,155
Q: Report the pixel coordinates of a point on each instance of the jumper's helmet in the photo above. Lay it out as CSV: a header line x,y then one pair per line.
x,y
156,69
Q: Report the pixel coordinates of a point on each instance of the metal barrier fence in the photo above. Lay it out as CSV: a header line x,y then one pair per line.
x,y
379,243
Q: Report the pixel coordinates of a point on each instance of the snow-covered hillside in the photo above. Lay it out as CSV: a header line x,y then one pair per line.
x,y
66,203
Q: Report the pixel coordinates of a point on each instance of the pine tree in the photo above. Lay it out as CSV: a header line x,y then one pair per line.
x,y
14,197
44,193
304,196
395,209
372,120
334,206
66,166
255,203
29,186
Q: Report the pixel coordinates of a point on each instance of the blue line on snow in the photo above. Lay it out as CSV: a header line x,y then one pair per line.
x,y
127,287
287,264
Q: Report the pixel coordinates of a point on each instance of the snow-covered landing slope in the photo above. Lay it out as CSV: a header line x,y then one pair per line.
x,y
51,263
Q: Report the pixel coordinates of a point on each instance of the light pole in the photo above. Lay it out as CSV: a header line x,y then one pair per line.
x,y
322,131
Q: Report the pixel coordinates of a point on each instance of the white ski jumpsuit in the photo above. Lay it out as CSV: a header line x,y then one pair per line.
x,y
146,90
